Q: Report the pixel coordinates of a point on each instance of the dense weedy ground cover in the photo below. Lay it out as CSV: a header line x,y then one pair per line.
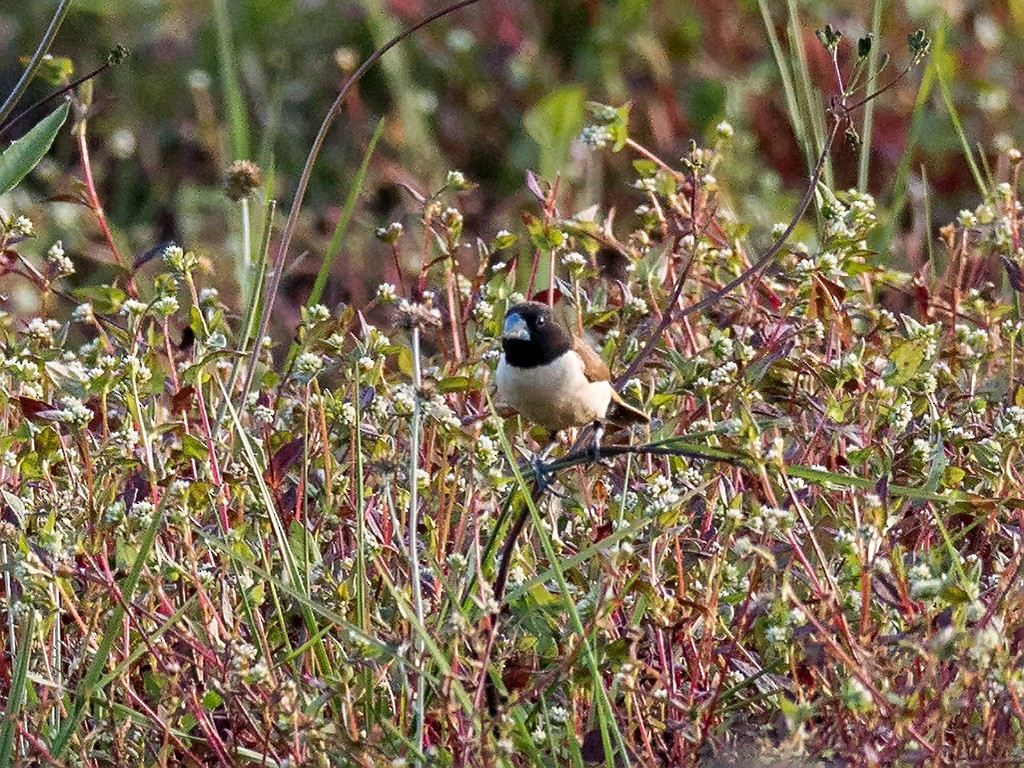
x,y
331,549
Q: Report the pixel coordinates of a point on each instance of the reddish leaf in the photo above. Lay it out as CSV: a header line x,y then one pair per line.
x,y
96,422
67,198
516,676
602,531
7,261
542,296
923,298
181,401
281,461
37,410
774,301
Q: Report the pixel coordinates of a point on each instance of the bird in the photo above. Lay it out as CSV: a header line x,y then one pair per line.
x,y
555,379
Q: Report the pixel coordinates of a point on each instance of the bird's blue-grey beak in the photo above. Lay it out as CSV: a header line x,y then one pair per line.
x,y
515,328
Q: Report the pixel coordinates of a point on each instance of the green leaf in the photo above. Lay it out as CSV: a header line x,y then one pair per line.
x,y
24,154
194,448
303,544
17,506
454,384
952,476
104,298
553,123
905,361
55,70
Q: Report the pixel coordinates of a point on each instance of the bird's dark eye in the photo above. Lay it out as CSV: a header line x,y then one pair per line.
x,y
540,321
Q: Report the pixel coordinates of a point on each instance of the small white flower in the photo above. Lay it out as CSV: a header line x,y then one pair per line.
x,y
166,306
74,412
575,261
308,365
83,313
596,136
638,305
39,330
23,226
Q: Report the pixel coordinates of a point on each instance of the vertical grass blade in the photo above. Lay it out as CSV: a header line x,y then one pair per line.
x,y
16,694
346,214
938,63
238,122
869,108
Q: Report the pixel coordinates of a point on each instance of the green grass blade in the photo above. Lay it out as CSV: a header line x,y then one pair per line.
x,y
939,60
811,102
238,122
606,717
346,213
37,58
24,154
782,64
869,109
16,693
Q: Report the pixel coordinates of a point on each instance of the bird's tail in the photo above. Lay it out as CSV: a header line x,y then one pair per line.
x,y
623,414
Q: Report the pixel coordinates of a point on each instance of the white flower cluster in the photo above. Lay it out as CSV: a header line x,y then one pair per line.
x,y
664,496
1010,423
596,136
971,342
41,331
436,408
57,264
403,398
22,227
575,261
487,452
483,311
308,365
927,331
74,413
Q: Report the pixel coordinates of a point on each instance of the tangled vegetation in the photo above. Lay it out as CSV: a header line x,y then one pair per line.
x,y
219,548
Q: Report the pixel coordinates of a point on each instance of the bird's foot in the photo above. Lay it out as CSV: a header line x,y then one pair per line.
x,y
542,474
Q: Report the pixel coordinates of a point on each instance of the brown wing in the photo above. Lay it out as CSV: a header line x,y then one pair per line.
x,y
593,366
620,412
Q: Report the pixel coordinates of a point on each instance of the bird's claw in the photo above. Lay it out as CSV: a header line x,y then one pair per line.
x,y
544,477
541,473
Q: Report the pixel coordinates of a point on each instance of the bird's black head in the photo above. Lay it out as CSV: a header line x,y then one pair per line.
x,y
533,335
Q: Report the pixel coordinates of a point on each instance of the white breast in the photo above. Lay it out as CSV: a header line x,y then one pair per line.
x,y
556,395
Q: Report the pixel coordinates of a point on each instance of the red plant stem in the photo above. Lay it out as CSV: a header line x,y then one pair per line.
x,y
453,318
94,198
213,739
214,466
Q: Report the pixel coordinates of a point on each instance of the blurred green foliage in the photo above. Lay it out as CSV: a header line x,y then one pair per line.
x,y
493,91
